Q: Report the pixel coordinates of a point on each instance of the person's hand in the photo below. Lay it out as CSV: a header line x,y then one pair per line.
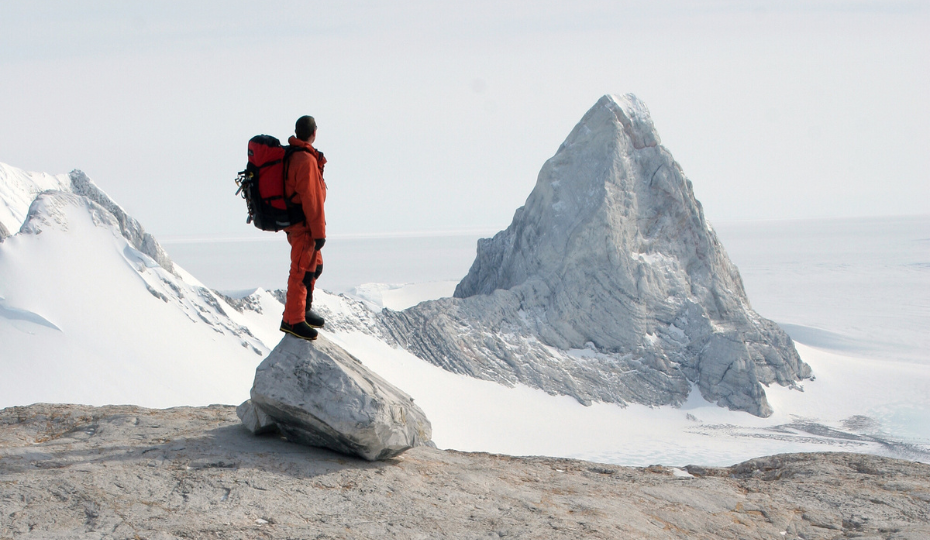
x,y
318,243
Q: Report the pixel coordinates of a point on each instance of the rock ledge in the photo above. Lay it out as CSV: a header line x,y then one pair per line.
x,y
71,471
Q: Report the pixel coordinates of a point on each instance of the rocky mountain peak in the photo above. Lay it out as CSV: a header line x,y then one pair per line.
x,y
613,219
610,173
611,252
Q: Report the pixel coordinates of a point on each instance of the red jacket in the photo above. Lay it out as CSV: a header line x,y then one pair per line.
x,y
305,178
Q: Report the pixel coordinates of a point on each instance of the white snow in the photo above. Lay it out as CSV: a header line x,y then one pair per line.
x,y
18,188
85,318
401,296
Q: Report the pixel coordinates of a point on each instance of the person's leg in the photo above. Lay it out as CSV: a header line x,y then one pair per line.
x,y
313,319
309,279
301,260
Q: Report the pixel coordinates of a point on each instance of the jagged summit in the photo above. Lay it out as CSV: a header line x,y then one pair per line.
x,y
131,229
611,239
611,255
592,174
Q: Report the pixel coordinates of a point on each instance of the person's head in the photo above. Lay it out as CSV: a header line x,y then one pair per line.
x,y
305,129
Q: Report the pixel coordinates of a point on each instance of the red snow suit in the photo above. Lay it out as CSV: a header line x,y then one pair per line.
x,y
305,181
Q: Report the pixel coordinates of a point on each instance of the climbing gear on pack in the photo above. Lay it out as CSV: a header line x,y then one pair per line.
x,y
261,184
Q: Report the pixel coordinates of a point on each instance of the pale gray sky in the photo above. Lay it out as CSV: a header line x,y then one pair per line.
x,y
439,115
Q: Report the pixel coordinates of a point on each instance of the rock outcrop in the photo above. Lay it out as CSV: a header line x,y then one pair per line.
x,y
319,395
71,471
608,285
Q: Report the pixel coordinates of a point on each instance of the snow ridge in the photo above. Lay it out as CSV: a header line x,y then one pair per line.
x,y
18,189
56,210
131,229
90,303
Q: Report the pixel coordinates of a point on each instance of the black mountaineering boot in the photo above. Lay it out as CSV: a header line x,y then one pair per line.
x,y
301,330
314,320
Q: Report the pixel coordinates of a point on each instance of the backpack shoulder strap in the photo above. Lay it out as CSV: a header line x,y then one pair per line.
x,y
289,150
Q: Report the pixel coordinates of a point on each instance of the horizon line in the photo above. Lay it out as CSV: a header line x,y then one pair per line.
x,y
193,239
482,232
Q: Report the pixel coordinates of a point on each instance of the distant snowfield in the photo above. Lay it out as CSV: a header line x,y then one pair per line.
x,y
858,286
401,296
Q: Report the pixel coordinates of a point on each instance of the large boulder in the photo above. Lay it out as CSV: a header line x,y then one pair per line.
x,y
318,394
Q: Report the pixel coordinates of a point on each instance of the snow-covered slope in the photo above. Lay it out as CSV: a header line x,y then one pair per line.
x,y
609,285
87,316
18,189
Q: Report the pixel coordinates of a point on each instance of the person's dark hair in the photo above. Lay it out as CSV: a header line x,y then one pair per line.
x,y
305,128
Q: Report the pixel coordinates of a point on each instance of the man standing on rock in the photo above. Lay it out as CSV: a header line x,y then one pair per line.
x,y
304,186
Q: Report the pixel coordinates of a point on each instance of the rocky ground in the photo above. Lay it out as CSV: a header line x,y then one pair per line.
x,y
69,471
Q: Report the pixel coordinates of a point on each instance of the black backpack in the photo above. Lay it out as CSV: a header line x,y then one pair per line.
x,y
261,184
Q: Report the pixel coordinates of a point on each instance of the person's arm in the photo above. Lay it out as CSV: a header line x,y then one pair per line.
x,y
310,188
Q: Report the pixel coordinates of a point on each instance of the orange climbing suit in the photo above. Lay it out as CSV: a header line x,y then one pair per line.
x,y
305,182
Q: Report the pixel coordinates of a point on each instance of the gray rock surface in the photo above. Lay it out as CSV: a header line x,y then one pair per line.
x,y
320,395
608,285
254,419
70,471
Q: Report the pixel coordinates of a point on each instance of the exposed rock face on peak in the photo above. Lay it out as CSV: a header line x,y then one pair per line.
x,y
608,285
